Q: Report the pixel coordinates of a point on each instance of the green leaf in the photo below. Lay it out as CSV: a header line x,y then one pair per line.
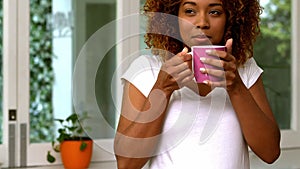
x,y
73,118
56,148
50,158
53,144
61,130
59,120
83,146
72,129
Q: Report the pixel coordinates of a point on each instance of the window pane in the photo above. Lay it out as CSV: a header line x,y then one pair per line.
x,y
41,71
57,35
50,66
104,76
1,75
273,53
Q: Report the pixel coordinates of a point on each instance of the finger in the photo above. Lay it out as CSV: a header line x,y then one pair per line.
x,y
229,66
180,58
184,50
175,70
213,84
228,45
183,77
183,71
220,74
220,64
177,59
184,55
212,62
221,55
174,61
187,80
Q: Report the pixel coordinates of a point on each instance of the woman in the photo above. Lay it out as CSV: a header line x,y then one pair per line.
x,y
172,122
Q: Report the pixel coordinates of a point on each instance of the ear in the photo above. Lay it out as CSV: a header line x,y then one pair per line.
x,y
228,45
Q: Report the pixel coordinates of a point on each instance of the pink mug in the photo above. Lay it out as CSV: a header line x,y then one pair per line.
x,y
201,51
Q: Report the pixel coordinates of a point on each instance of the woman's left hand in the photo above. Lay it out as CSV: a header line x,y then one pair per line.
x,y
227,73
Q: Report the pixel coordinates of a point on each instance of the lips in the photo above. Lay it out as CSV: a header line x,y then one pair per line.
x,y
201,36
200,39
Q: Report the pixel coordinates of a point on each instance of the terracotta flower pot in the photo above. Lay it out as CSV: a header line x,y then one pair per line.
x,y
72,157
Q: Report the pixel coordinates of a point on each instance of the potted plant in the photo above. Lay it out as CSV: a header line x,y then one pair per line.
x,y
74,146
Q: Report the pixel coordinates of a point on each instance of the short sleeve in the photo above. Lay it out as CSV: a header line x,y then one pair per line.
x,y
142,73
250,72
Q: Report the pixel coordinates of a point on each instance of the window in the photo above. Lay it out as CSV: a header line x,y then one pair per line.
x,y
66,26
43,56
44,37
277,51
273,54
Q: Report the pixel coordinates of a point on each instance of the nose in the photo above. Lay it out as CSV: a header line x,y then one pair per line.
x,y
202,21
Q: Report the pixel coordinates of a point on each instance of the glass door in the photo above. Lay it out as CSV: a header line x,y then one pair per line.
x,y
46,38
59,30
50,45
75,51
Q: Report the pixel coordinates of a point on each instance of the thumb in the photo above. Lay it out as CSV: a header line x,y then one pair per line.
x,y
228,45
184,55
184,50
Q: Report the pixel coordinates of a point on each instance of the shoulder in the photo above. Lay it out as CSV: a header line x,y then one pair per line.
x,y
148,58
141,64
250,72
250,63
142,72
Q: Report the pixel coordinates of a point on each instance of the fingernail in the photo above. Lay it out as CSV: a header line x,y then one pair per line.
x,y
208,51
185,50
202,59
202,70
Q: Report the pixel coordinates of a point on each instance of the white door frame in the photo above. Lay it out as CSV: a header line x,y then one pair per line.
x,y
13,55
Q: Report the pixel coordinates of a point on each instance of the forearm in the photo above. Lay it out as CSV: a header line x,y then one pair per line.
x,y
260,131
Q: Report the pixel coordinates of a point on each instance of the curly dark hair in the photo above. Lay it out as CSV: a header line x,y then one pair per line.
x,y
242,26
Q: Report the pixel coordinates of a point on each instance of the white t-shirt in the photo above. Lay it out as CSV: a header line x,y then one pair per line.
x,y
199,132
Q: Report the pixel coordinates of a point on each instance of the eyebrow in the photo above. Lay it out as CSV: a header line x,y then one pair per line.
x,y
194,4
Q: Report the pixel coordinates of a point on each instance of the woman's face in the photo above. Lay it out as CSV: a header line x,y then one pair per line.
x,y
201,22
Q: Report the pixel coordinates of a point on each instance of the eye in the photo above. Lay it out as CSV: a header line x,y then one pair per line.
x,y
215,12
189,11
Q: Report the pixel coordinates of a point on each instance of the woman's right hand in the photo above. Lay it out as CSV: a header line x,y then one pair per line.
x,y
175,73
